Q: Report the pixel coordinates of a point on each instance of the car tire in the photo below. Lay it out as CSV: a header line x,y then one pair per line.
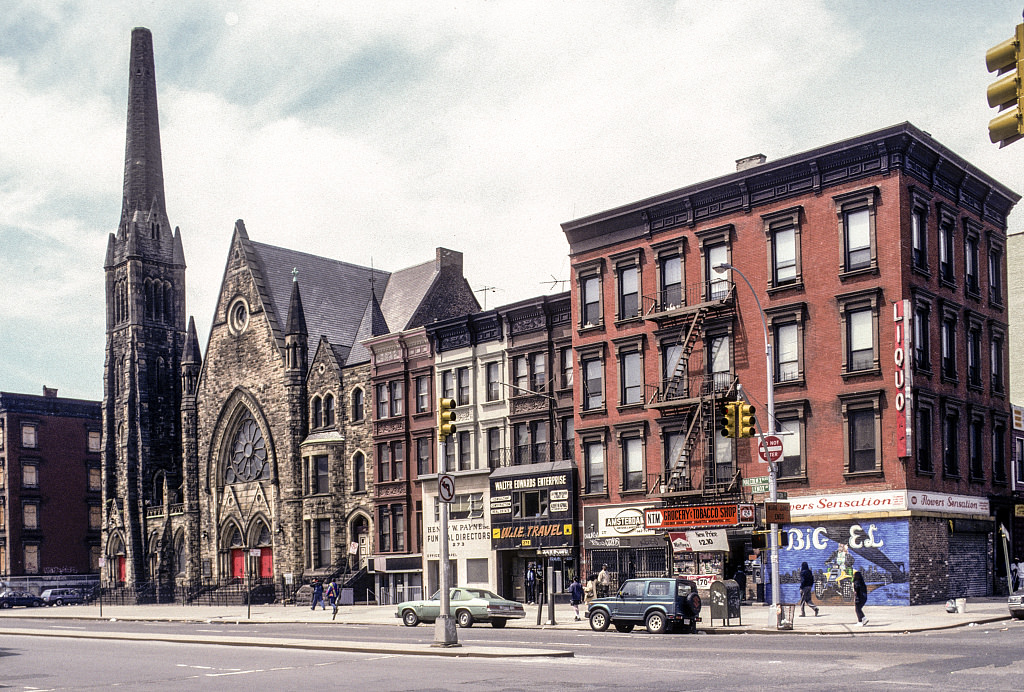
x,y
5,604
410,618
60,602
464,618
498,623
599,620
656,622
1019,616
624,627
693,602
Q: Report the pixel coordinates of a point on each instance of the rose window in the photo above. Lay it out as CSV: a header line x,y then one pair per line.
x,y
249,455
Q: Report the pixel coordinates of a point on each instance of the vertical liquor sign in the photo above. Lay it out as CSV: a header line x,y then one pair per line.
x,y
901,317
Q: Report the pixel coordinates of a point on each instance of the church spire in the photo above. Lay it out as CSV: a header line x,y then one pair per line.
x,y
143,169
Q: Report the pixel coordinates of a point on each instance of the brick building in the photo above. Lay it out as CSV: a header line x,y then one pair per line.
x,y
49,485
848,247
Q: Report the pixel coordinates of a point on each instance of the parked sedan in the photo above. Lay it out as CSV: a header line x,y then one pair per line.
x,y
9,599
468,605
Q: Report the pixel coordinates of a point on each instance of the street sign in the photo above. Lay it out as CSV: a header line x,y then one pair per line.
x,y
770,448
760,488
446,487
776,513
756,480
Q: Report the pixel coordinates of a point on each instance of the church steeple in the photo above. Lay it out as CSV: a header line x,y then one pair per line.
x,y
143,167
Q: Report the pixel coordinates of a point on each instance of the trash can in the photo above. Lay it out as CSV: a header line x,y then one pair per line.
x,y
786,613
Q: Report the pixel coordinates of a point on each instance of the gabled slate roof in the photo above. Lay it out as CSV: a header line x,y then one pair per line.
x,y
405,292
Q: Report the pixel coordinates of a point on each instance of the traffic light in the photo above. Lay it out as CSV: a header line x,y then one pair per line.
x,y
446,419
727,420
1006,92
762,539
745,421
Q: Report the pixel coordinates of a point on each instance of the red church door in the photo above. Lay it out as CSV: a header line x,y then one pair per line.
x,y
121,570
237,563
266,562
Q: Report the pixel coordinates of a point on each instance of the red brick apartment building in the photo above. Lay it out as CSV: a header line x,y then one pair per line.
x,y
895,454
49,485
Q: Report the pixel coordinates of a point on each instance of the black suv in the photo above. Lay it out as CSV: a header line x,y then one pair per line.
x,y
660,604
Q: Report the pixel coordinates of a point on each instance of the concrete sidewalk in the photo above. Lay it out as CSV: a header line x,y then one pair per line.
x,y
754,618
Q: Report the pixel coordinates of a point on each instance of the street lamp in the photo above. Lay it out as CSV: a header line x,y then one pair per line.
x,y
772,485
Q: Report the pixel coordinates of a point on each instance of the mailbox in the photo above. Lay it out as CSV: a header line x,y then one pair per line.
x,y
725,601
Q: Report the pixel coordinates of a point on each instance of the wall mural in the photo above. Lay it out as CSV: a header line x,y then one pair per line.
x,y
880,549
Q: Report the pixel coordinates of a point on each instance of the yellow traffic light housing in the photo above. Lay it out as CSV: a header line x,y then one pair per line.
x,y
745,421
446,419
727,421
1006,93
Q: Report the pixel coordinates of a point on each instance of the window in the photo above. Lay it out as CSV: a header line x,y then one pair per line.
x,y
791,432
359,473
673,367
999,452
949,347
862,431
465,451
590,299
632,378
919,238
856,213
923,434
671,281
946,229
520,375
384,529
972,284
787,366
593,455
357,404
30,516
423,456
565,357
383,405
328,410
95,517
632,464
31,558
316,413
568,450
593,394
538,372
521,432
422,393
629,292
494,448
95,478
995,276
859,312
724,455
28,435
476,570
975,435
462,377
951,444
718,281
322,550
397,398
391,528
529,504
95,440
29,475
448,384
318,481
390,461
719,357
996,362
922,338
449,454
1018,459
677,465
783,232
974,356
493,382
463,506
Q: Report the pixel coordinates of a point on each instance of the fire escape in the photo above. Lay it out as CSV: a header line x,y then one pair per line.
x,y
690,391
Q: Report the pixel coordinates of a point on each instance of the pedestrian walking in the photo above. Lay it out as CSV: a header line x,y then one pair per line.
x,y
576,595
860,596
318,595
590,590
531,583
806,590
332,597
740,577
604,580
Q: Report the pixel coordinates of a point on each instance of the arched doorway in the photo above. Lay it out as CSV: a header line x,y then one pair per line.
x,y
116,563
236,552
360,541
261,540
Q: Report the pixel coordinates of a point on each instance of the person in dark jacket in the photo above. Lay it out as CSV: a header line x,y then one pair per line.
x,y
806,590
860,597
576,595
741,581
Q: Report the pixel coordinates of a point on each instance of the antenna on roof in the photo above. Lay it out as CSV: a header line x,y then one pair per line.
x,y
371,276
555,282
485,290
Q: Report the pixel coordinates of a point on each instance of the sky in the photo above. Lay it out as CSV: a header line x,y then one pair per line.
x,y
374,132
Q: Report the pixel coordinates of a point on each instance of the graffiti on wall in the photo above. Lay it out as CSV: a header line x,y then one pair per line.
x,y
880,549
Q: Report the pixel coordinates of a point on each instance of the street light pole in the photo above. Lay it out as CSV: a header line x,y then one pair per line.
x,y
772,480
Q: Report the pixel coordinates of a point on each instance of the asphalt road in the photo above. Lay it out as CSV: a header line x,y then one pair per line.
x,y
983,657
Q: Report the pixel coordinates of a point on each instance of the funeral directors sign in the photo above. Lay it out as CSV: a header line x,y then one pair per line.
x,y
533,506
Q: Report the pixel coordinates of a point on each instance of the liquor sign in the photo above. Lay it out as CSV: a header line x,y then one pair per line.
x,y
691,517
901,316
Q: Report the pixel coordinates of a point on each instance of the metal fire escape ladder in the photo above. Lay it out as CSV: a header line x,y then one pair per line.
x,y
687,342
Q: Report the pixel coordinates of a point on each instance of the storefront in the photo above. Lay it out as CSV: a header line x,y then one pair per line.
x,y
533,518
615,535
470,556
911,547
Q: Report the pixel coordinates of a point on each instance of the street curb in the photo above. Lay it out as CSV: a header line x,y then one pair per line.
x,y
861,630
460,651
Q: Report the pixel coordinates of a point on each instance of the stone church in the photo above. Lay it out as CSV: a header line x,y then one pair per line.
x,y
254,457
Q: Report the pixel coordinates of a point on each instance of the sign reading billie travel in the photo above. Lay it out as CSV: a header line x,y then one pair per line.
x,y
686,517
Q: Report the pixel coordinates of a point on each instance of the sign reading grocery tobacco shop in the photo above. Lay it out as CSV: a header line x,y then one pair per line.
x,y
693,516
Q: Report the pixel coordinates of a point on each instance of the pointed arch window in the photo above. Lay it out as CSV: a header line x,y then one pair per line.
x,y
359,473
357,404
248,459
316,416
328,410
